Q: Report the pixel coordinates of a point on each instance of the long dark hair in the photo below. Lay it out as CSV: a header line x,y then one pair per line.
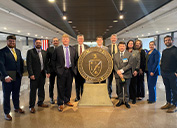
x,y
140,46
127,48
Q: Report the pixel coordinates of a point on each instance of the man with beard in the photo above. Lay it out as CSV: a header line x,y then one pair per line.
x,y
169,74
35,66
50,69
11,70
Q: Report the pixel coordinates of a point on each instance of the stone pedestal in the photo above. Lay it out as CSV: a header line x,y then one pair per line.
x,y
95,95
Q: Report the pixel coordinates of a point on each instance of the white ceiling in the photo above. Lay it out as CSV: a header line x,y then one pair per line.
x,y
16,18
160,20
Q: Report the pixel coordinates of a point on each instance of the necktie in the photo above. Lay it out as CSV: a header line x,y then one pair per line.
x,y
67,57
80,49
14,54
113,51
121,55
41,59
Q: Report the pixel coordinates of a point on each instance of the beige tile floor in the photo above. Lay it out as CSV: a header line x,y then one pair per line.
x,y
141,115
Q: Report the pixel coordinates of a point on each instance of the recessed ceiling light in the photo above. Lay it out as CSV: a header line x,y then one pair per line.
x,y
51,1
168,29
156,31
64,17
36,35
121,17
149,33
46,37
142,35
41,36
77,30
115,21
5,28
74,27
28,33
110,26
107,29
18,31
137,36
70,22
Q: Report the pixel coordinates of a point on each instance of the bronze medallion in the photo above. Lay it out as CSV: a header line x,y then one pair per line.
x,y
95,64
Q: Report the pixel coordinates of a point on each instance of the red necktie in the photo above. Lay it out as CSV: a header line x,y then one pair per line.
x,y
80,49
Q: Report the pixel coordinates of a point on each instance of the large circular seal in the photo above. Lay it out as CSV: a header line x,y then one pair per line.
x,y
95,64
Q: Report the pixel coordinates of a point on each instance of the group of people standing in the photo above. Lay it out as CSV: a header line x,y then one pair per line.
x,y
60,61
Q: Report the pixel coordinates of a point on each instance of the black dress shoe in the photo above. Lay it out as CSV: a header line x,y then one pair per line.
x,y
134,102
127,105
147,99
77,99
151,102
119,104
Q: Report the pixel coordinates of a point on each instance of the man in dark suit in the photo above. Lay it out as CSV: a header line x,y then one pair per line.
x,y
50,70
64,60
112,49
79,80
122,65
11,70
35,66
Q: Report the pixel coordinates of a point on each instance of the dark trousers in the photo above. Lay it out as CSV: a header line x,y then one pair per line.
x,y
152,81
64,86
79,82
133,88
170,82
110,79
34,85
123,93
8,88
52,82
140,86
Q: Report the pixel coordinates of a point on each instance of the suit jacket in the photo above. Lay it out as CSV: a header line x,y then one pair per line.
x,y
104,47
8,63
136,60
153,62
34,64
58,60
142,60
76,48
110,47
48,61
125,65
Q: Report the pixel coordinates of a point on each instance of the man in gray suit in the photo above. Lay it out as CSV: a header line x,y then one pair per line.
x,y
112,49
79,80
122,65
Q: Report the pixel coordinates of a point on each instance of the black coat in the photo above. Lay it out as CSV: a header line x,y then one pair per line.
x,y
8,63
48,60
33,62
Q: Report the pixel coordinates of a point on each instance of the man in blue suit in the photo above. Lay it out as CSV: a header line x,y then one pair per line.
x,y
153,70
11,68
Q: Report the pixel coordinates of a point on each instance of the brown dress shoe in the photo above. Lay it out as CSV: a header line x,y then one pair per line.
x,y
60,108
69,104
32,110
166,106
8,117
43,105
19,111
172,109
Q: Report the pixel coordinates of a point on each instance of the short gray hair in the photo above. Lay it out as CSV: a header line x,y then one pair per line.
x,y
80,35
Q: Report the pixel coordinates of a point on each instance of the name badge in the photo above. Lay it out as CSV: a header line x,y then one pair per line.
x,y
125,60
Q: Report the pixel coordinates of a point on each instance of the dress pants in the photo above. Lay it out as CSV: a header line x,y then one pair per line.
x,y
79,82
170,82
133,88
34,85
140,86
52,82
8,88
64,86
110,79
120,85
152,81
